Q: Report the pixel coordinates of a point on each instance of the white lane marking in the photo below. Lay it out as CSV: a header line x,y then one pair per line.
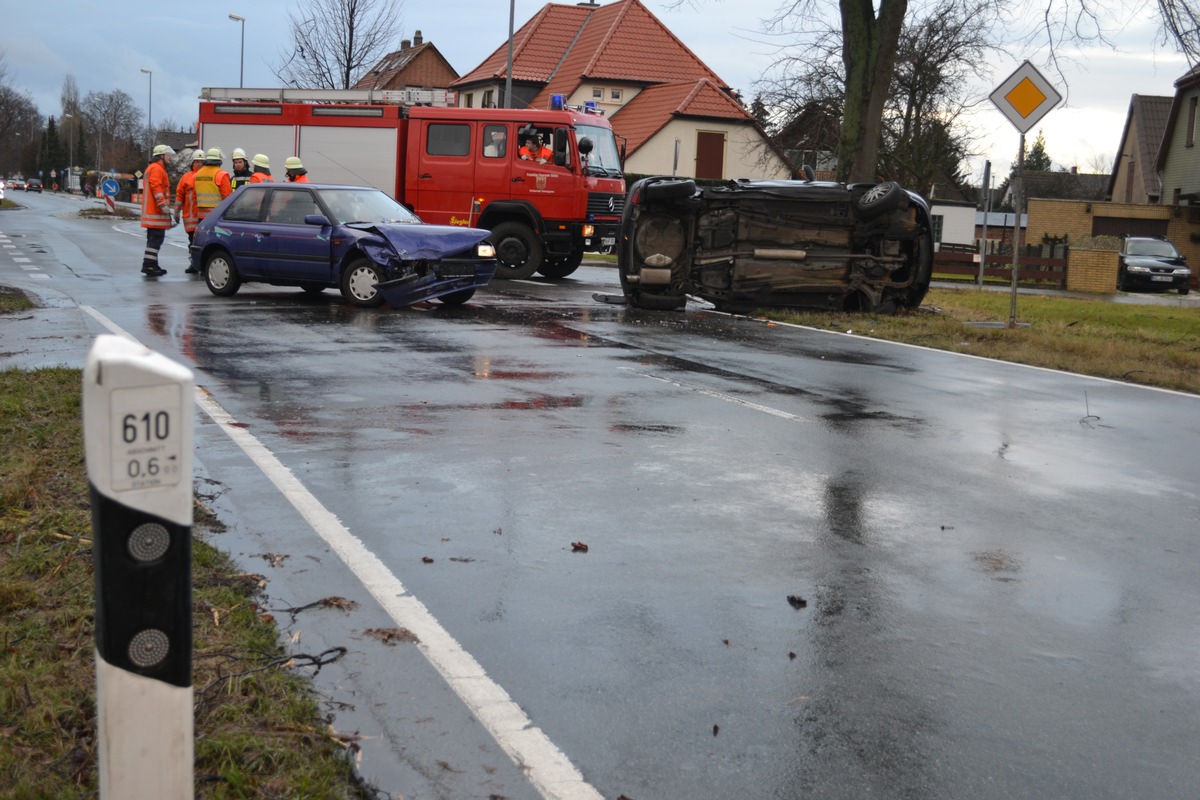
x,y
728,398
547,768
21,260
140,232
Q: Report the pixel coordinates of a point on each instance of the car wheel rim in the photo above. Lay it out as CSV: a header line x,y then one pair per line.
x,y
875,193
362,284
218,273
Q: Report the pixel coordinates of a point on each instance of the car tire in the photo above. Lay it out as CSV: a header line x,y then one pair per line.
x,y
1122,283
456,298
518,251
668,190
880,199
561,267
1184,289
220,274
360,284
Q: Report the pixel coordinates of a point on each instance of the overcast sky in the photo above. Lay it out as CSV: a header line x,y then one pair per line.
x,y
105,44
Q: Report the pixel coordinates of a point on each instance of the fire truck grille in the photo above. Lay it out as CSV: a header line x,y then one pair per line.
x,y
605,204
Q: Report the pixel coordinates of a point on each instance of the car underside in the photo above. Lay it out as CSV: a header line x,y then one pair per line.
x,y
793,244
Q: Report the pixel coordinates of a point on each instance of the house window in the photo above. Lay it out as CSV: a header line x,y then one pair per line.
x,y
448,140
616,95
469,100
1191,128
489,99
938,222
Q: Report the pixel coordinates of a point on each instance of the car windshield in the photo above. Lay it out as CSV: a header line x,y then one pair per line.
x,y
1151,247
364,205
604,158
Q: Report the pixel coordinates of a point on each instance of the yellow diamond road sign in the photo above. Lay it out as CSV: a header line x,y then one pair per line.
x,y
1025,97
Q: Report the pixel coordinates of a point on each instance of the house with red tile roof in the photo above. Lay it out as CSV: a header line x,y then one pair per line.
x,y
675,114
416,65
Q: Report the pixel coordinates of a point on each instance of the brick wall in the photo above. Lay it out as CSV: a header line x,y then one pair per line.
x,y
1073,218
1092,271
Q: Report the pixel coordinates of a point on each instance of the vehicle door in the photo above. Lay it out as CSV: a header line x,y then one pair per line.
x,y
441,188
290,249
541,182
244,230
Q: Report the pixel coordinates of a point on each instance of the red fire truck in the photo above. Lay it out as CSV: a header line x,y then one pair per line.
x,y
546,182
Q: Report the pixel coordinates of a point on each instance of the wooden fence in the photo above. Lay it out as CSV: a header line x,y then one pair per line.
x,y
1038,267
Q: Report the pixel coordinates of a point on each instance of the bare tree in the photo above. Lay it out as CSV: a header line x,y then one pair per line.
x,y
337,41
20,125
115,122
922,130
1181,27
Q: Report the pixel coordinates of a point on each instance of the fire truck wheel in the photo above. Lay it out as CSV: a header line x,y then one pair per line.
x,y
221,275
456,298
518,251
562,266
358,284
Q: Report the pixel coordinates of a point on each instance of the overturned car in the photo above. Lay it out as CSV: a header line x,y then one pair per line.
x,y
757,244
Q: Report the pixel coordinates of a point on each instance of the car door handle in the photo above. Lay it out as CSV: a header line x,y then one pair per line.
x,y
518,180
425,176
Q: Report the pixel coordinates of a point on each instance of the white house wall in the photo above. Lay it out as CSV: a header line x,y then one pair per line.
x,y
958,223
746,153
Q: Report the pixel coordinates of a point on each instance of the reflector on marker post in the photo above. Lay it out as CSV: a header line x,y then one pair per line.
x,y
138,413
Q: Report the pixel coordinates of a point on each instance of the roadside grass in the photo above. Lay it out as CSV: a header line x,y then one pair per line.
x,y
1153,345
13,300
259,730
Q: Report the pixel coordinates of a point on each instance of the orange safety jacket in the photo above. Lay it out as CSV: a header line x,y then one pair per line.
x,y
185,201
212,186
156,197
298,179
261,177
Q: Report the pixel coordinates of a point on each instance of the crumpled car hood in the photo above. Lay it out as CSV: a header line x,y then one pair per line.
x,y
412,241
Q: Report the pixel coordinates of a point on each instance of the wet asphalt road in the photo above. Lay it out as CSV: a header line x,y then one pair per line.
x,y
996,566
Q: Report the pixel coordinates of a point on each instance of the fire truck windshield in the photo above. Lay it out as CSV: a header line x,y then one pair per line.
x,y
604,158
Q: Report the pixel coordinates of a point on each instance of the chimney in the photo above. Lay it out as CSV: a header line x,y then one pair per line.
x,y
405,44
417,40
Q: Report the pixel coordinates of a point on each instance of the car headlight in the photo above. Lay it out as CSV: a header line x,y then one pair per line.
x,y
485,250
1136,268
1183,271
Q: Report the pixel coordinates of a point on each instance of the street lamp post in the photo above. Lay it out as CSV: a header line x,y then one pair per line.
x,y
242,64
149,109
70,150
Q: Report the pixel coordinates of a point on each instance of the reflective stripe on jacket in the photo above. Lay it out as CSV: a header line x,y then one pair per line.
x,y
212,186
261,177
156,197
238,181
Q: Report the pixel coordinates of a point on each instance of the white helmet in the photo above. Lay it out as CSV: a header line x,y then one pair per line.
x,y
163,150
238,153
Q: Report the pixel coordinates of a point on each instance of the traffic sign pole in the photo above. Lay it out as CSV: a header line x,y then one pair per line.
x,y
138,413
1024,98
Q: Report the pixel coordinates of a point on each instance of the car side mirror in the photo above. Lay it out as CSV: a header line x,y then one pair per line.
x,y
316,219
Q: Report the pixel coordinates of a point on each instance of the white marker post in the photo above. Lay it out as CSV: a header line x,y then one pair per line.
x,y
138,416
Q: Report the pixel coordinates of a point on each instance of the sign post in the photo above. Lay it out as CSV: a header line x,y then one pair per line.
x,y
138,411
1024,98
110,188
